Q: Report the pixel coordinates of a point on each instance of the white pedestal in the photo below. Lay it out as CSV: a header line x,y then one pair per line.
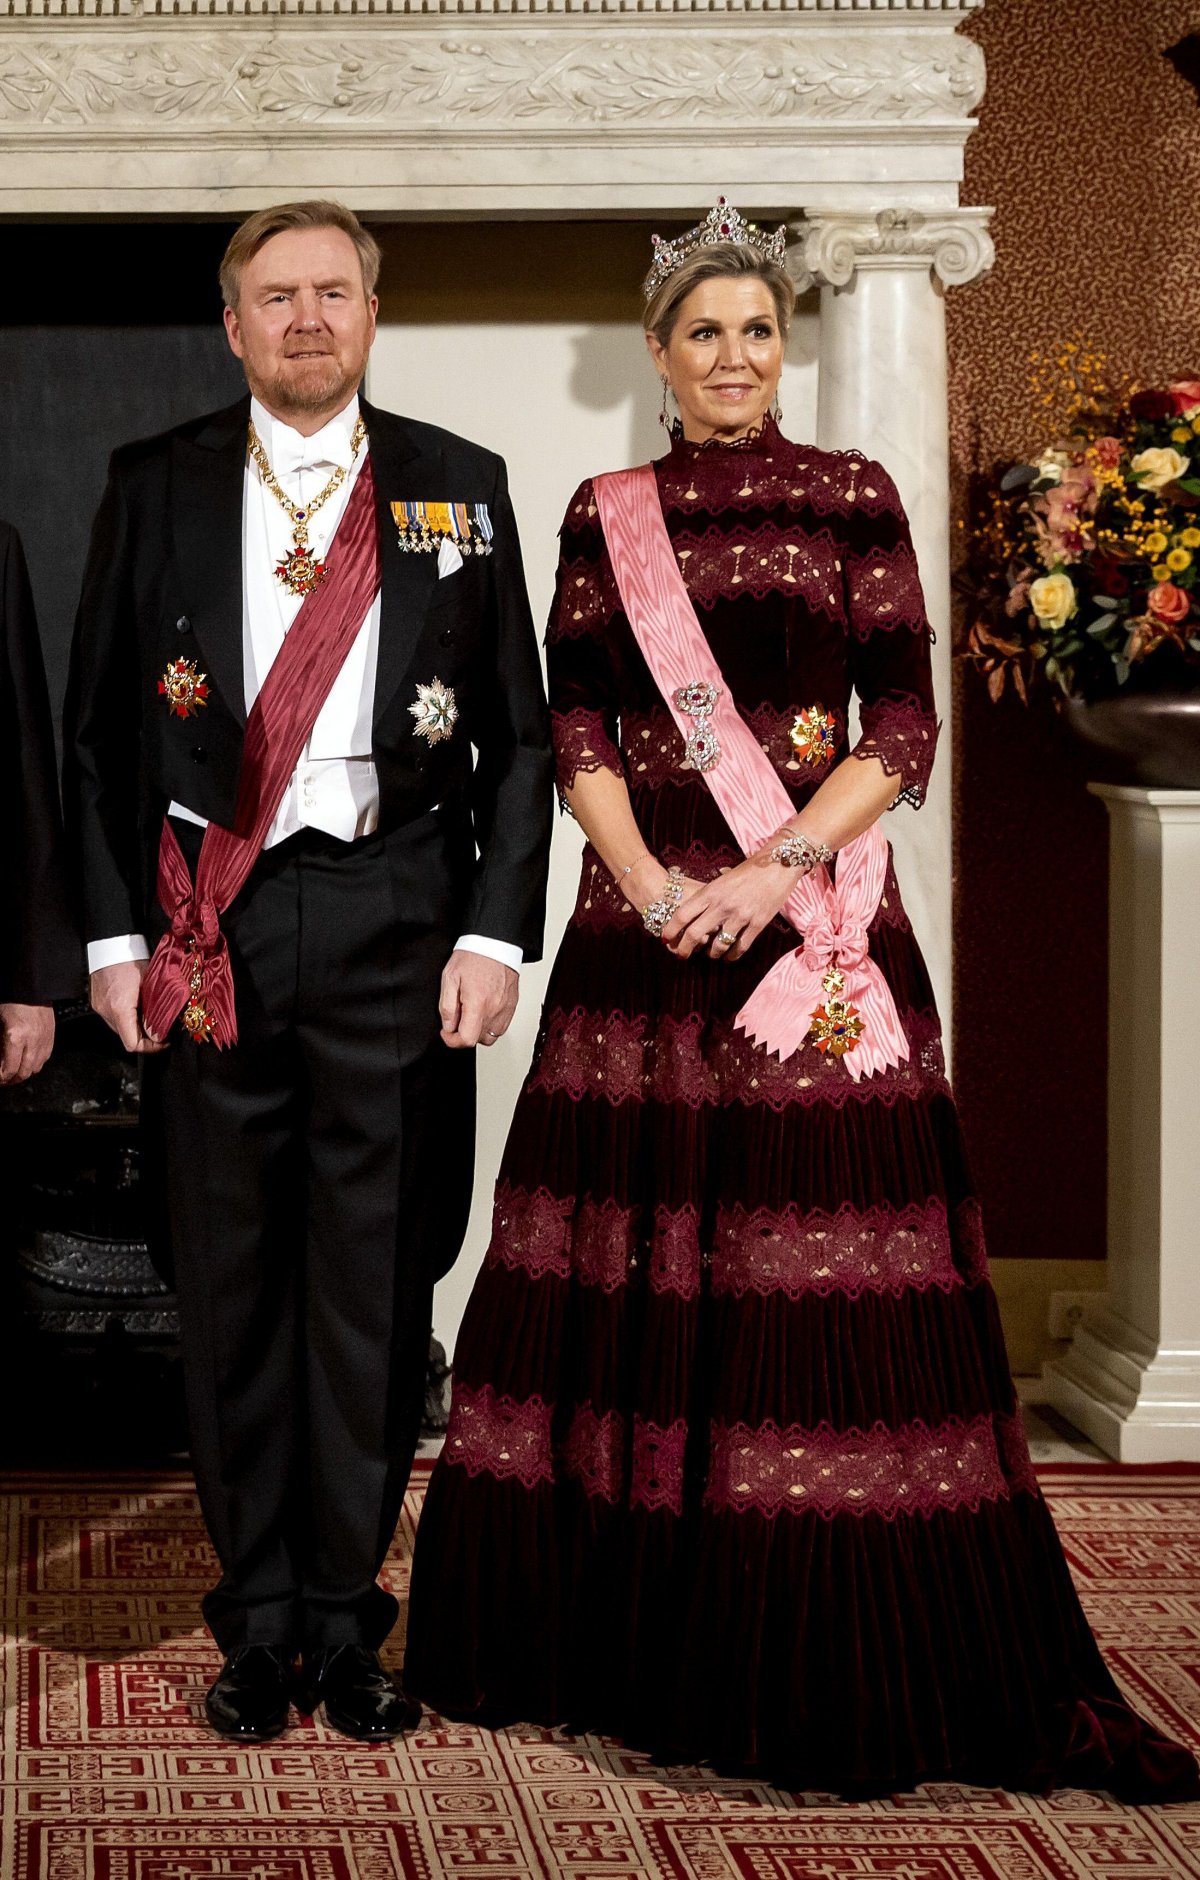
x,y
1131,1378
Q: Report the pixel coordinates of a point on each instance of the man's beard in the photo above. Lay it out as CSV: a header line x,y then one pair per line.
x,y
311,390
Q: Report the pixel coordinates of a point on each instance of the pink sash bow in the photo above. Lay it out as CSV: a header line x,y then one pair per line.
x,y
833,917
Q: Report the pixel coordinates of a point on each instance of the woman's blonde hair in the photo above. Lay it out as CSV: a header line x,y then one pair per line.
x,y
717,260
257,230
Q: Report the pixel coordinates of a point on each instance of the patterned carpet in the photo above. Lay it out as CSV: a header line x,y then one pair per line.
x,y
107,1773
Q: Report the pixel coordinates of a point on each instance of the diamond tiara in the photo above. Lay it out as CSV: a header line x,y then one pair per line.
x,y
721,224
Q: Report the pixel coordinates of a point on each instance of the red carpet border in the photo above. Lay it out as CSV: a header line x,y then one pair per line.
x,y
108,1773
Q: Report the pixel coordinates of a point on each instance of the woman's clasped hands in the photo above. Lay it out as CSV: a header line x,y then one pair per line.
x,y
725,916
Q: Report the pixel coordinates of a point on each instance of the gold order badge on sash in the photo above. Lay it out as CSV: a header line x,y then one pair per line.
x,y
422,527
836,1025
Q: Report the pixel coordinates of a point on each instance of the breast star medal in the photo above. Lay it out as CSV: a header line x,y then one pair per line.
x,y
813,735
300,571
184,689
836,1025
435,711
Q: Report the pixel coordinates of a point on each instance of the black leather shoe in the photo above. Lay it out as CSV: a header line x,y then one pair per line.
x,y
249,1701
361,1699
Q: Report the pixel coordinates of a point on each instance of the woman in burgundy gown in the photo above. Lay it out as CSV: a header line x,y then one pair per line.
x,y
735,1468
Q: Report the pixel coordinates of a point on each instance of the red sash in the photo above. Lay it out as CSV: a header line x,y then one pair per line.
x,y
190,970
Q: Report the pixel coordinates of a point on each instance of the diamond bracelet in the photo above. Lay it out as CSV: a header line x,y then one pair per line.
x,y
656,914
800,851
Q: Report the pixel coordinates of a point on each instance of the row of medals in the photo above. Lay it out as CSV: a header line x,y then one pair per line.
x,y
426,541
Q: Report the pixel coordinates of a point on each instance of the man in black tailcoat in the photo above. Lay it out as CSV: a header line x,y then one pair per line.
x,y
40,956
318,1168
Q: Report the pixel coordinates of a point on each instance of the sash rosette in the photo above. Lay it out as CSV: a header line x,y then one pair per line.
x,y
832,914
190,971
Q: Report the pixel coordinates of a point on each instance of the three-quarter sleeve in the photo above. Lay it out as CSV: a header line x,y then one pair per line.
x,y
889,633
581,680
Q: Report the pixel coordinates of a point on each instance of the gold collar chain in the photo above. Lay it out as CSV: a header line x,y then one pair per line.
x,y
301,571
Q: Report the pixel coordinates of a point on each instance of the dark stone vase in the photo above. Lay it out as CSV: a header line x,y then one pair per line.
x,y
1145,737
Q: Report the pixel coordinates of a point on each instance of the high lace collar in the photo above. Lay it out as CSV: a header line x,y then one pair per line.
x,y
765,438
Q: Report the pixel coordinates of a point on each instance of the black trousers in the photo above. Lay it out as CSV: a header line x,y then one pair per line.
x,y
318,1178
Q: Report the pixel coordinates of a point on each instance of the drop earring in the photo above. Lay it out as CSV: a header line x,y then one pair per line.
x,y
776,411
663,417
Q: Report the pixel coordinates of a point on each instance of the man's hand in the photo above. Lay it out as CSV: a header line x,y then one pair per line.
x,y
115,992
28,1039
478,999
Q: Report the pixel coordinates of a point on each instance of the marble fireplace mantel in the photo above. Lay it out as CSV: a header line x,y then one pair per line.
x,y
482,107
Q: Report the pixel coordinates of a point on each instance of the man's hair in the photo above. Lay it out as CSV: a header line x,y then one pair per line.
x,y
258,229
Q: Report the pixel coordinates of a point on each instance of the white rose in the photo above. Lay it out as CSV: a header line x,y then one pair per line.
x,y
1053,600
1051,466
1154,469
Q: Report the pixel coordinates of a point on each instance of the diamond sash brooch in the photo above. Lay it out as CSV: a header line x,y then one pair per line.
x,y
697,700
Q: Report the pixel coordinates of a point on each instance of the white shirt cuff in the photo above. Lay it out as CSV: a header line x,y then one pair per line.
x,y
502,950
116,951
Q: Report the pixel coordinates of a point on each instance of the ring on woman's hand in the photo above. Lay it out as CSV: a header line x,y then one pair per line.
x,y
724,939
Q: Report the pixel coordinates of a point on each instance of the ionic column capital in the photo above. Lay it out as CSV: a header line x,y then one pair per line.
x,y
832,245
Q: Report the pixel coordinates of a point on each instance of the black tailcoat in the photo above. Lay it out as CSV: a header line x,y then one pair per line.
x,y
164,579
40,955
318,1172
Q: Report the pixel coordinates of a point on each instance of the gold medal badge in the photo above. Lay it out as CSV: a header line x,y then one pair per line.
x,y
300,571
184,688
435,711
836,1025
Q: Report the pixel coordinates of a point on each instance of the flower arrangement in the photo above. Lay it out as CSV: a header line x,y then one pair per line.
x,y
1085,562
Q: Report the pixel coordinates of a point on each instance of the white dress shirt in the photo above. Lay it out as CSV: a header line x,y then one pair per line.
x,y
334,786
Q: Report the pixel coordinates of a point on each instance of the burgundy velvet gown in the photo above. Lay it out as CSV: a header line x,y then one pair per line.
x,y
735,1469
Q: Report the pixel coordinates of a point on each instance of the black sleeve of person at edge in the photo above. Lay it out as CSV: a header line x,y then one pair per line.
x,y
511,791
41,956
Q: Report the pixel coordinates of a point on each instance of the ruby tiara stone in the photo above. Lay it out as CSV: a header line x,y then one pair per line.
x,y
721,224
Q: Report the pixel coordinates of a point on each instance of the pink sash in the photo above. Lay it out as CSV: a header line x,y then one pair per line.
x,y
833,918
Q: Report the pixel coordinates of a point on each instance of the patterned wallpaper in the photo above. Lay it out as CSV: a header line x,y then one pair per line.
x,y
1089,148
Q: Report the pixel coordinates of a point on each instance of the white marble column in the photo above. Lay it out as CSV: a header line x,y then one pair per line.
x,y
882,390
1131,1377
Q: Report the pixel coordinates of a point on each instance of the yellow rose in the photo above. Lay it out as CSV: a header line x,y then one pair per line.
x,y
1190,538
1160,571
1182,434
1053,600
1155,543
1156,468
1178,560
1196,426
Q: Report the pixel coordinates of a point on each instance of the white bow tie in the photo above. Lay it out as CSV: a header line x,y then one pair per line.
x,y
294,458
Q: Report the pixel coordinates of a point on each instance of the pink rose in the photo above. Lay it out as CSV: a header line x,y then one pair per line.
x,y
1185,393
1169,603
1108,452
